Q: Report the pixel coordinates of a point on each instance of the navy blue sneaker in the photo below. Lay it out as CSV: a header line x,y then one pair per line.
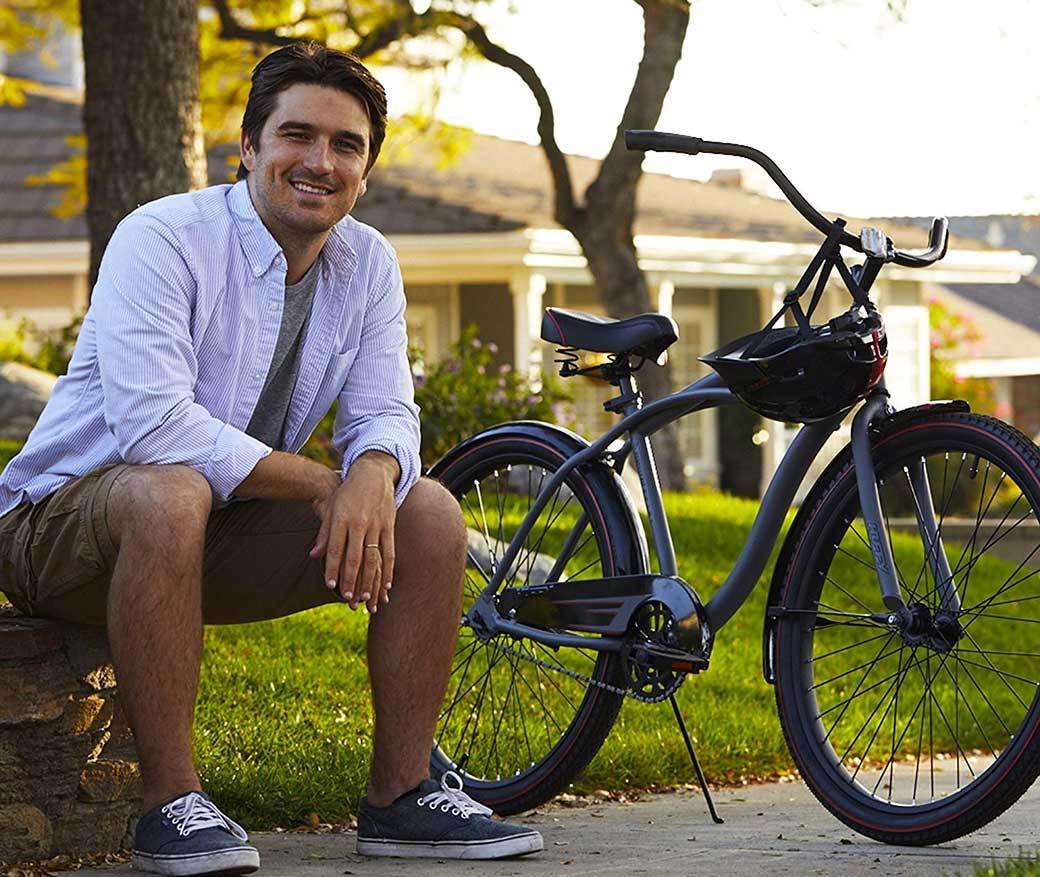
x,y
190,836
440,821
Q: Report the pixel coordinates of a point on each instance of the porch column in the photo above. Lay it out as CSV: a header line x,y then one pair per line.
x,y
528,295
661,296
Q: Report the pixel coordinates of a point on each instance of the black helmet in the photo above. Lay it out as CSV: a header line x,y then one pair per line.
x,y
806,373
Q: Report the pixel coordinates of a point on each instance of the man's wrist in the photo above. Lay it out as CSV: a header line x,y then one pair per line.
x,y
383,461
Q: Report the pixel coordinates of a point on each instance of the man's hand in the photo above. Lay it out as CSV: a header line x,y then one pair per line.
x,y
357,531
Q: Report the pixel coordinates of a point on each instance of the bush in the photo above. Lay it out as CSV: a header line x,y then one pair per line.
x,y
47,350
466,392
459,395
954,335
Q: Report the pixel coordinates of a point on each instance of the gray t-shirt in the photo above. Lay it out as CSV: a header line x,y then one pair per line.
x,y
268,421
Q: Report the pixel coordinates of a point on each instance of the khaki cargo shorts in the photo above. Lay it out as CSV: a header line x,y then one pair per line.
x,y
57,556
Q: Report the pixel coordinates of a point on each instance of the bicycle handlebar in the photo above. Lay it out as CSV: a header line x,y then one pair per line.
x,y
660,141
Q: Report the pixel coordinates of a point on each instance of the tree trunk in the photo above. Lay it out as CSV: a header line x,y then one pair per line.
x,y
605,225
141,112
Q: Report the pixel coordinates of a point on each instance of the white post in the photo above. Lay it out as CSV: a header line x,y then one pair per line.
x,y
528,294
665,294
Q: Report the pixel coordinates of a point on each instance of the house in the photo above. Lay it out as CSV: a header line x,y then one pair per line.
x,y
1008,318
477,244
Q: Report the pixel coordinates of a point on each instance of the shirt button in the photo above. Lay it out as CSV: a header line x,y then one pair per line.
x,y
272,307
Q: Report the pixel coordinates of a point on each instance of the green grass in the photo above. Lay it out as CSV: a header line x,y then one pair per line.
x,y
1027,866
284,720
8,449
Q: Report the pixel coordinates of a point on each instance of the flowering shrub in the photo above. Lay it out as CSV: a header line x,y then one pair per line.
x,y
466,392
461,394
954,335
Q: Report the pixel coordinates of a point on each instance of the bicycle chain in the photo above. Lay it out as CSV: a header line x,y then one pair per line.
x,y
573,674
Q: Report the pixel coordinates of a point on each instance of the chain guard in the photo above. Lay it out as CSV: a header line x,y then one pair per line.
x,y
647,656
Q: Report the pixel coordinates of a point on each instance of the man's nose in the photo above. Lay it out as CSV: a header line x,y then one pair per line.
x,y
319,157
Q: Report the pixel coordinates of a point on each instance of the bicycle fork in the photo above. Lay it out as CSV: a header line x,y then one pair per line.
x,y
900,615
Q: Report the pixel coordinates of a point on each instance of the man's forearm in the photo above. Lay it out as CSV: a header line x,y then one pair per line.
x,y
280,475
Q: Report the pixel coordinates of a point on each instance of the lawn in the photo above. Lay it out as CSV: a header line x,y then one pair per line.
x,y
284,720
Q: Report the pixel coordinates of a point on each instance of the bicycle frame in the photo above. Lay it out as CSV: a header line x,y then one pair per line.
x,y
640,421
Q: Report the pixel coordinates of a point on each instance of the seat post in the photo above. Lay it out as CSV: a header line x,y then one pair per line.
x,y
628,402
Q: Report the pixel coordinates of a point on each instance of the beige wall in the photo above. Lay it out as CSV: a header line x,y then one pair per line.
x,y
49,301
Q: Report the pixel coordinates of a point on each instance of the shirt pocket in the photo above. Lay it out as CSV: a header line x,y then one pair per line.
x,y
336,374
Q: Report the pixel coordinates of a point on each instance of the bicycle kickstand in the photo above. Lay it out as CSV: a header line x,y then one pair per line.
x,y
718,820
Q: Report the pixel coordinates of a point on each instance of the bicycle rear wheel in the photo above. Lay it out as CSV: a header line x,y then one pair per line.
x,y
919,736
519,719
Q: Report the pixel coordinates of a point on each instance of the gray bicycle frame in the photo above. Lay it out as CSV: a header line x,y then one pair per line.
x,y
640,421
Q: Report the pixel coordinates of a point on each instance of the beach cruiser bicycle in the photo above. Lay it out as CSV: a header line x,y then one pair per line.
x,y
902,625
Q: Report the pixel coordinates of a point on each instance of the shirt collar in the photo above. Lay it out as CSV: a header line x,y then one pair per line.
x,y
262,249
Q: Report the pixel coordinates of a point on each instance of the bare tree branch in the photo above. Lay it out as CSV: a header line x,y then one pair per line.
x,y
230,29
664,26
565,211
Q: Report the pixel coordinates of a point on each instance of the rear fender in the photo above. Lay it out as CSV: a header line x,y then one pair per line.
x,y
626,528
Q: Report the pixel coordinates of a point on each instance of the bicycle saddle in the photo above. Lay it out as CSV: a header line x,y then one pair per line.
x,y
647,335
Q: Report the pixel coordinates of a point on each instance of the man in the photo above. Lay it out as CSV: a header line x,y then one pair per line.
x,y
223,325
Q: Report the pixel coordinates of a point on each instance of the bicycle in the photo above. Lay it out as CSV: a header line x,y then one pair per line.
x,y
896,634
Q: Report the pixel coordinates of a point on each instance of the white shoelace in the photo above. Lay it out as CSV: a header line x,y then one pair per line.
x,y
193,812
451,797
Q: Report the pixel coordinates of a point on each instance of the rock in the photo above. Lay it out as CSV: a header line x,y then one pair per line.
x,y
85,713
23,393
86,646
35,689
22,637
110,780
96,827
25,833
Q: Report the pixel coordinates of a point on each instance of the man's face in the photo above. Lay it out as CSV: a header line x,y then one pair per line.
x,y
309,167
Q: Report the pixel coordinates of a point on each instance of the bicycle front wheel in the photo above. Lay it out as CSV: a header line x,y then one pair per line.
x,y
922,735
521,719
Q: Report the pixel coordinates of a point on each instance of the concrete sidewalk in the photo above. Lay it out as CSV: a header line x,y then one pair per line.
x,y
774,829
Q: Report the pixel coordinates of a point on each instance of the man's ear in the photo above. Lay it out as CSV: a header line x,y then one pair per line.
x,y
363,187
246,152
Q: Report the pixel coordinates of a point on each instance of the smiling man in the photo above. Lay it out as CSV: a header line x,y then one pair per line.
x,y
161,488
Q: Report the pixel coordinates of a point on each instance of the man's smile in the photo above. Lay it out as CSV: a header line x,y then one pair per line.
x,y
310,188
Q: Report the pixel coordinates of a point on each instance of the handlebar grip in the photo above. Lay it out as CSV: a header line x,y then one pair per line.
x,y
660,141
938,239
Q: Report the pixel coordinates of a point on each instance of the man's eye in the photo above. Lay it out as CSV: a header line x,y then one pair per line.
x,y
296,135
346,145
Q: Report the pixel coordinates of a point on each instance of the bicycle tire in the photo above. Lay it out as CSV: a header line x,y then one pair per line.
x,y
977,465
494,480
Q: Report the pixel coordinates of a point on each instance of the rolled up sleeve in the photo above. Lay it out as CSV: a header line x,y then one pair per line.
x,y
377,410
143,301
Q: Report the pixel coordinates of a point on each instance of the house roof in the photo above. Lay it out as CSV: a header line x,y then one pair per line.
x,y
496,185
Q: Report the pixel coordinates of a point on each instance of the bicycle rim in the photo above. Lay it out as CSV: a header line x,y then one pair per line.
x,y
516,729
931,723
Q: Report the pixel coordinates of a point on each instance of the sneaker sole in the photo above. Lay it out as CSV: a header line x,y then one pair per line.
x,y
237,860
500,848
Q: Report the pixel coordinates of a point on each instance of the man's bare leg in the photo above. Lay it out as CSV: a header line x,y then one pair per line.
x,y
157,516
411,640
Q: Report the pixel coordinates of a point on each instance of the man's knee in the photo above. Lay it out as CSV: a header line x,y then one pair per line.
x,y
175,500
431,517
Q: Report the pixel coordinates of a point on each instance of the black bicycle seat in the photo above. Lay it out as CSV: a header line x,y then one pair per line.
x,y
647,335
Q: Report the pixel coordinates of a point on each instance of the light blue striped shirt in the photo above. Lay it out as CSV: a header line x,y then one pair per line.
x,y
178,341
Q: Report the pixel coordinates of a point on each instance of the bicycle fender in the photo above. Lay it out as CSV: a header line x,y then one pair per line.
x,y
606,484
878,430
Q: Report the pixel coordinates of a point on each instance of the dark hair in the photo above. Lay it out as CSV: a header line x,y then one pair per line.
x,y
313,64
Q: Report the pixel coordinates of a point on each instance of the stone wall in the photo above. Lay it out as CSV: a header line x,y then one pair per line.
x,y
69,779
